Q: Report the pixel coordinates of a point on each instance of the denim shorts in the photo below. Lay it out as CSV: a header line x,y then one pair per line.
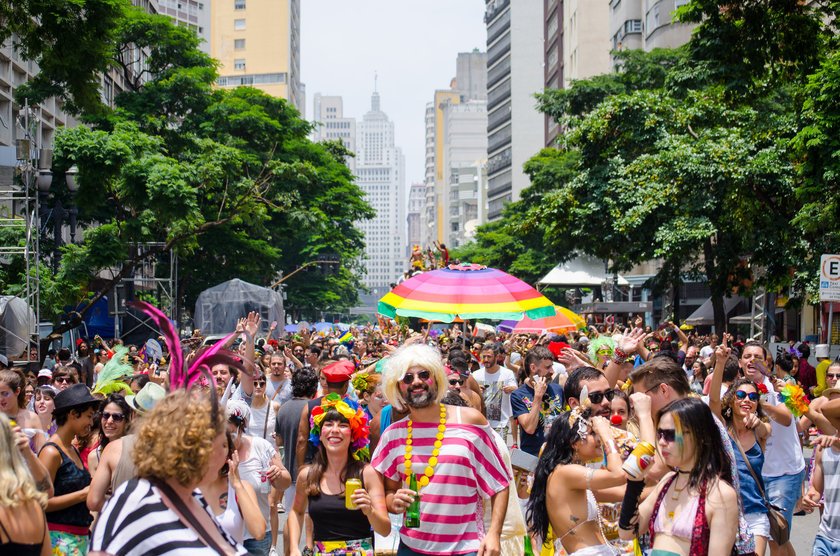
x,y
258,548
823,546
784,492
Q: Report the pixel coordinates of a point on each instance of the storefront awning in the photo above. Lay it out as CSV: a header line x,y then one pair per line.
x,y
705,314
581,272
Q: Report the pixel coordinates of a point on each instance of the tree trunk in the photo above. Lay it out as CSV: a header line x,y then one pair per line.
x,y
717,285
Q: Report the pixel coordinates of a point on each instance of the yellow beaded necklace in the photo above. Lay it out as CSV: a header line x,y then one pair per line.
x,y
430,468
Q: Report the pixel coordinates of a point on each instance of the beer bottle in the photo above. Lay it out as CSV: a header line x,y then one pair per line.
x,y
412,513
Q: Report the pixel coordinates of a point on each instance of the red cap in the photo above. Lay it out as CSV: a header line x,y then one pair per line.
x,y
340,371
79,342
557,347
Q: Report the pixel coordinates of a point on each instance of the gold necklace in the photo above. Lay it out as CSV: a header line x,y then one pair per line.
x,y
675,494
433,460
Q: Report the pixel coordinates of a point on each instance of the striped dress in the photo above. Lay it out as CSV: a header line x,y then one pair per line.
x,y
135,521
469,469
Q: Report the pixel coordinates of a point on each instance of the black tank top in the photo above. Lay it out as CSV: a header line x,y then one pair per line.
x,y
69,478
11,548
333,522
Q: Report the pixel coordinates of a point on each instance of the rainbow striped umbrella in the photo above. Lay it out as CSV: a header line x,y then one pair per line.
x,y
467,291
565,320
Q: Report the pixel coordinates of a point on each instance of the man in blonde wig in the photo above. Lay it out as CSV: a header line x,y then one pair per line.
x,y
451,452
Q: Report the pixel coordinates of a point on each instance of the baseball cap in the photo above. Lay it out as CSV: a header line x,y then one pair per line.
x,y
340,371
45,373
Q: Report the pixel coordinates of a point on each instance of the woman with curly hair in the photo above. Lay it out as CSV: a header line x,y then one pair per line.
x,y
566,492
180,442
339,430
748,429
23,527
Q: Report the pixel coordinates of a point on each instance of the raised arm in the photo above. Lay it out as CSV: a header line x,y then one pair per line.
x,y
721,356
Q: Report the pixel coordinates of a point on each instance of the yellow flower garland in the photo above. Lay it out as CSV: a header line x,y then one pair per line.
x,y
430,468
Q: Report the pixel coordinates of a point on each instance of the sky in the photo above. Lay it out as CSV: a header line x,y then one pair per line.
x,y
411,45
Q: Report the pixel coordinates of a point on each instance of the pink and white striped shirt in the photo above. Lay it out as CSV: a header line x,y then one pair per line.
x,y
469,468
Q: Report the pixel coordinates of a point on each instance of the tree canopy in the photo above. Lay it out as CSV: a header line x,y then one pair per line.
x,y
226,178
717,158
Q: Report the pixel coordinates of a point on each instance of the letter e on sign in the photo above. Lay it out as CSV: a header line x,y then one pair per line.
x,y
830,278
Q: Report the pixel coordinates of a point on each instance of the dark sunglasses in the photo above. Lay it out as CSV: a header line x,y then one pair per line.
x,y
668,435
115,417
259,383
454,381
833,375
62,379
422,375
753,396
598,397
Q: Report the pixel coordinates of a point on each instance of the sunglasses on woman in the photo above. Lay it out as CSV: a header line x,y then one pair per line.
x,y
668,435
422,375
598,397
833,375
454,381
259,383
753,396
115,417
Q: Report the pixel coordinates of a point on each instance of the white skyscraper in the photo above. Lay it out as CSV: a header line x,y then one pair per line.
x,y
380,173
331,125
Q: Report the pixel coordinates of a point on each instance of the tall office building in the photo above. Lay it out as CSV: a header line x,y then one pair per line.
x,y
586,39
515,73
428,216
464,155
380,173
455,139
331,125
193,14
646,24
416,203
258,44
553,59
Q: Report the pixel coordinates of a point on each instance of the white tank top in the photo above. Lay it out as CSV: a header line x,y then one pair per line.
x,y
231,519
257,425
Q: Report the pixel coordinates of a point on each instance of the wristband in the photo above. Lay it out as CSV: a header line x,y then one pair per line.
x,y
619,356
629,506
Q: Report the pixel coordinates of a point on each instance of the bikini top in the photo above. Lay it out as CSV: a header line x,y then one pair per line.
x,y
691,524
591,506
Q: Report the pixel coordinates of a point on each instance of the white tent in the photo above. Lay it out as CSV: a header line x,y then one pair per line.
x,y
17,324
705,314
218,308
582,271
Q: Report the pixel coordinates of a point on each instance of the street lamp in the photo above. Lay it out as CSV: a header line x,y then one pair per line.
x,y
58,212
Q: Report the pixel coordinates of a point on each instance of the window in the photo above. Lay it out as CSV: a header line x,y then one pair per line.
x,y
239,64
239,24
239,44
238,4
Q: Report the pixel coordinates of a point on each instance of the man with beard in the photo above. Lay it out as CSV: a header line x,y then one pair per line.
x,y
497,383
598,387
452,453
538,401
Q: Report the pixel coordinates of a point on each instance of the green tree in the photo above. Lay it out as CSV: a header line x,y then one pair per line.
x,y
228,179
72,41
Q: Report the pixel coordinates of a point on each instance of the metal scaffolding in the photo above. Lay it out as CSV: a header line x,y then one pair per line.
x,y
19,219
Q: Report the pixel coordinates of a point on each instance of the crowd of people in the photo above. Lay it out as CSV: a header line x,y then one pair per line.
x,y
385,440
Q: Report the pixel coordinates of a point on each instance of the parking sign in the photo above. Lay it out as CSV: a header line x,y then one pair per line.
x,y
830,278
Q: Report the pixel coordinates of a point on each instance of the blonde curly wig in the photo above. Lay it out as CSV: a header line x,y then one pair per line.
x,y
175,439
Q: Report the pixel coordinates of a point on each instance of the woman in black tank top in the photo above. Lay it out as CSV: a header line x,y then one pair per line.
x,y
23,529
339,430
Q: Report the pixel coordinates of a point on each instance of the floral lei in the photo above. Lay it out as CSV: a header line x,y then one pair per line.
x,y
359,432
